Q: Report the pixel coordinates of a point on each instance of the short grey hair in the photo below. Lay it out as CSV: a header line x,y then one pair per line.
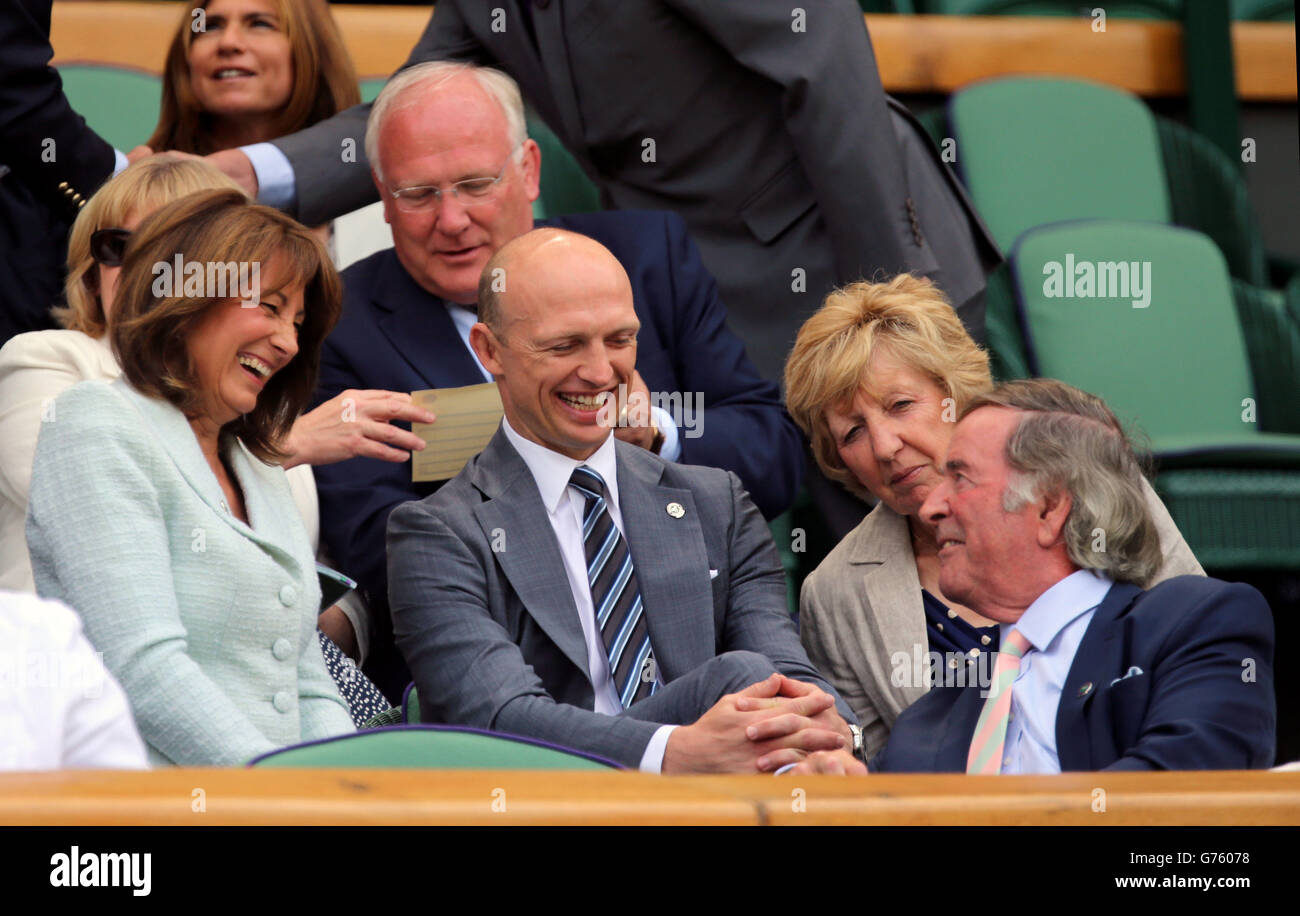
x,y
430,76
1069,439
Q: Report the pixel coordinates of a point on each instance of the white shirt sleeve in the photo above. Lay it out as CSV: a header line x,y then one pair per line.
x,y
652,761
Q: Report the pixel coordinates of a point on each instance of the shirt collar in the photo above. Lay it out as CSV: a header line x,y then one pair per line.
x,y
552,470
1054,609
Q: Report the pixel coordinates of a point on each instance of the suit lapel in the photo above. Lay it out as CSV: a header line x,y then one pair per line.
x,y
419,327
671,562
889,584
531,559
1097,654
177,438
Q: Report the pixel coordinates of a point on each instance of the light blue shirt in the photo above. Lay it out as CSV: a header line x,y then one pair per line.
x,y
1054,624
464,319
275,185
564,508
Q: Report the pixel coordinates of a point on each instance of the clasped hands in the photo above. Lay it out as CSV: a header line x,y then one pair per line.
x,y
760,729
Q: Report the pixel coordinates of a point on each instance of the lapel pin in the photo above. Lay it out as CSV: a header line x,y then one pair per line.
x,y
675,510
1085,689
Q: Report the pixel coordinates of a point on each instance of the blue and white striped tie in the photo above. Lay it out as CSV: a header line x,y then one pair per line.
x,y
614,593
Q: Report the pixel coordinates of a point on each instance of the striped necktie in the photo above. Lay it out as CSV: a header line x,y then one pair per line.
x,y
991,730
614,593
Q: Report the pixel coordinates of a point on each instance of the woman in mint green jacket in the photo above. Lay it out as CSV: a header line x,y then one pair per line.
x,y
157,510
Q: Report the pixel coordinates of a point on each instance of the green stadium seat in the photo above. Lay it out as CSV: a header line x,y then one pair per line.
x,y
440,747
1038,151
1175,371
118,103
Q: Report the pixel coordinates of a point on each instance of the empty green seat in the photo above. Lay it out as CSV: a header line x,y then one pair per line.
x,y
1169,356
1037,151
432,747
118,103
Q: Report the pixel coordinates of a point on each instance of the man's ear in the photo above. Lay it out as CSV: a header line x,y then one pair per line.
x,y
487,347
1053,511
531,167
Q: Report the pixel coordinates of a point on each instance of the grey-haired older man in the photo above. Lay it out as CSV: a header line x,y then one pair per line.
x,y
1042,526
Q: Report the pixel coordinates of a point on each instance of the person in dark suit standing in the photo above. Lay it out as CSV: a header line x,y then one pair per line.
x,y
50,164
570,586
458,175
1042,526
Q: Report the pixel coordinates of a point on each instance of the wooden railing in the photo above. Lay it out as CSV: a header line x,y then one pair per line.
x,y
202,797
916,54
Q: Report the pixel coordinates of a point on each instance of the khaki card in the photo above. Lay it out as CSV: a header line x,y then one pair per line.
x,y
467,418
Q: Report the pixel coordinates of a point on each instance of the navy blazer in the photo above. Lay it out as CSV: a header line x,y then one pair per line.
x,y
1203,700
395,335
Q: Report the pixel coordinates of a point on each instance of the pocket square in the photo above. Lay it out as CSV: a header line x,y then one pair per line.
x,y
1132,672
713,574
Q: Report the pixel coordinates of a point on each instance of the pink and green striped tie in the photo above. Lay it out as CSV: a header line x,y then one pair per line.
x,y
991,731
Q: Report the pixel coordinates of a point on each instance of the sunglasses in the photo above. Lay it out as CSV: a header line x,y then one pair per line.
x,y
108,245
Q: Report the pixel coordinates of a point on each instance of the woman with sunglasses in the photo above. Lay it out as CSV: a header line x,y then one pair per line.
x,y
157,506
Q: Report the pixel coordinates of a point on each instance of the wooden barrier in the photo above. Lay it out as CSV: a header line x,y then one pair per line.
x,y
210,797
916,54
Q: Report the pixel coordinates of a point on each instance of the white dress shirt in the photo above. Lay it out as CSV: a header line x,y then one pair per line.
x,y
564,508
1054,624
59,706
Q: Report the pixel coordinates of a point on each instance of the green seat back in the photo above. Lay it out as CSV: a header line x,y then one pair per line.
x,y
1275,10
370,88
1037,151
119,104
429,747
1178,367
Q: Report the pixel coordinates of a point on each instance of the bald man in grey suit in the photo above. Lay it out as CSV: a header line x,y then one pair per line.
x,y
684,659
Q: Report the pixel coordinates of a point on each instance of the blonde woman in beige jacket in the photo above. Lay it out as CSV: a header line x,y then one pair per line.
x,y
876,380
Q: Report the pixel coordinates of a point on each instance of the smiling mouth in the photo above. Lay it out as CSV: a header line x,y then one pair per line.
x,y
227,73
257,368
585,402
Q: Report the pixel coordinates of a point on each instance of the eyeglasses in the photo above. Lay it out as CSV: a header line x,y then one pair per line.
x,y
472,192
108,245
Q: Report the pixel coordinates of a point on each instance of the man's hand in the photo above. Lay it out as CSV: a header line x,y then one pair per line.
x,y
335,624
356,423
839,763
720,741
635,423
790,689
237,166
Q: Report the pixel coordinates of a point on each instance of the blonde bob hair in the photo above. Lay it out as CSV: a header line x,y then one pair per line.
x,y
324,79
139,188
828,364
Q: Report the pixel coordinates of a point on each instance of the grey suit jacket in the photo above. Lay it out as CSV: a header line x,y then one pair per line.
x,y
483,612
862,606
769,133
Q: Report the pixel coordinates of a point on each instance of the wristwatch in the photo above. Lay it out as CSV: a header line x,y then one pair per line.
x,y
859,747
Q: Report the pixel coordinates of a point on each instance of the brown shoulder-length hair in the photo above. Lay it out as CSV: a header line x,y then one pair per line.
x,y
324,79
152,324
